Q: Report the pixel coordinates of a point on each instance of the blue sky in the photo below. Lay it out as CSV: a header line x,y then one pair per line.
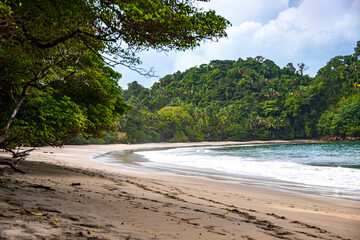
x,y
297,31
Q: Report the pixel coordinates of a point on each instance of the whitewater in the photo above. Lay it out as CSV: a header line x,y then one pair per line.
x,y
326,169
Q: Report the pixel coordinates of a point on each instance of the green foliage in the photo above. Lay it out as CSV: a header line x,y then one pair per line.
x,y
53,57
237,132
110,137
86,104
249,99
343,120
44,119
171,121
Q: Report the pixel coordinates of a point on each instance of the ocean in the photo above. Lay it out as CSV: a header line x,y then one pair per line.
x,y
325,169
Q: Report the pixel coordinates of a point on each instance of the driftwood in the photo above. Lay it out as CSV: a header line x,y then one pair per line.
x,y
42,187
13,166
19,155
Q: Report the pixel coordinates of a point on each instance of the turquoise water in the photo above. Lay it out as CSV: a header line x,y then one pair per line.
x,y
326,154
327,169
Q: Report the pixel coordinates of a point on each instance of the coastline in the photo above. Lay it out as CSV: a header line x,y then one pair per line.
x,y
304,179
114,202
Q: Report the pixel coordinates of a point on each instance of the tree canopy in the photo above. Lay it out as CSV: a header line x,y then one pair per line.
x,y
246,100
54,55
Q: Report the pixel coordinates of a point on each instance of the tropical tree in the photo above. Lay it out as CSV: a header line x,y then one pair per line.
x,y
174,124
48,46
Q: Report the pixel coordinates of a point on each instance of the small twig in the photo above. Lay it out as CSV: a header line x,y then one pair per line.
x,y
42,187
16,162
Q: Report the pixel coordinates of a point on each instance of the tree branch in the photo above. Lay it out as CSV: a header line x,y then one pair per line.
x,y
49,44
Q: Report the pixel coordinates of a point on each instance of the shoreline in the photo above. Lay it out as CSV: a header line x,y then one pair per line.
x,y
114,202
130,158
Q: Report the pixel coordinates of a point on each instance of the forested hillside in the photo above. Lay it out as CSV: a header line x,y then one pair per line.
x,y
247,100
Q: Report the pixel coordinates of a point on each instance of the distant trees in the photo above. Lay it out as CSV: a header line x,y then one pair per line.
x,y
302,68
249,99
343,120
174,124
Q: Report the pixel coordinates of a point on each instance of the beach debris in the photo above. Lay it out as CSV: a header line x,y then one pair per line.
x,y
34,213
41,187
275,216
75,184
13,166
5,216
89,225
46,209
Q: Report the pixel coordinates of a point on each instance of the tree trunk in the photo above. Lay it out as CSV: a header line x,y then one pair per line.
x,y
5,132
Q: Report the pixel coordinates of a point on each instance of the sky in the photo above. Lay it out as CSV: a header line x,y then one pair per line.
x,y
297,31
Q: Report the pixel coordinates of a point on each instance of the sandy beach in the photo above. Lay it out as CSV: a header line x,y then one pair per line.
x,y
67,194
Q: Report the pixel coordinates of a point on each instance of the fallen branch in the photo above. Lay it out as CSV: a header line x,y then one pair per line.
x,y
42,187
18,153
34,213
12,166
5,216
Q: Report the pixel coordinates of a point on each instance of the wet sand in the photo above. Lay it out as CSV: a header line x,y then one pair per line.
x,y
67,194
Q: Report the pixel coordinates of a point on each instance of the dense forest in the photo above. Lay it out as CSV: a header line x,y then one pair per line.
x,y
245,100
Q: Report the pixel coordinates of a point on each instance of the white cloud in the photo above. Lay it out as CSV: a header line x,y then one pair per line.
x,y
308,31
238,11
315,27
184,61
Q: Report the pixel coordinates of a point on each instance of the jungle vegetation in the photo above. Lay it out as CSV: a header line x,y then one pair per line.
x,y
56,80
246,100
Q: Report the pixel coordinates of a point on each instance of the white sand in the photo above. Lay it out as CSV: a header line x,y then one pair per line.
x,y
113,202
